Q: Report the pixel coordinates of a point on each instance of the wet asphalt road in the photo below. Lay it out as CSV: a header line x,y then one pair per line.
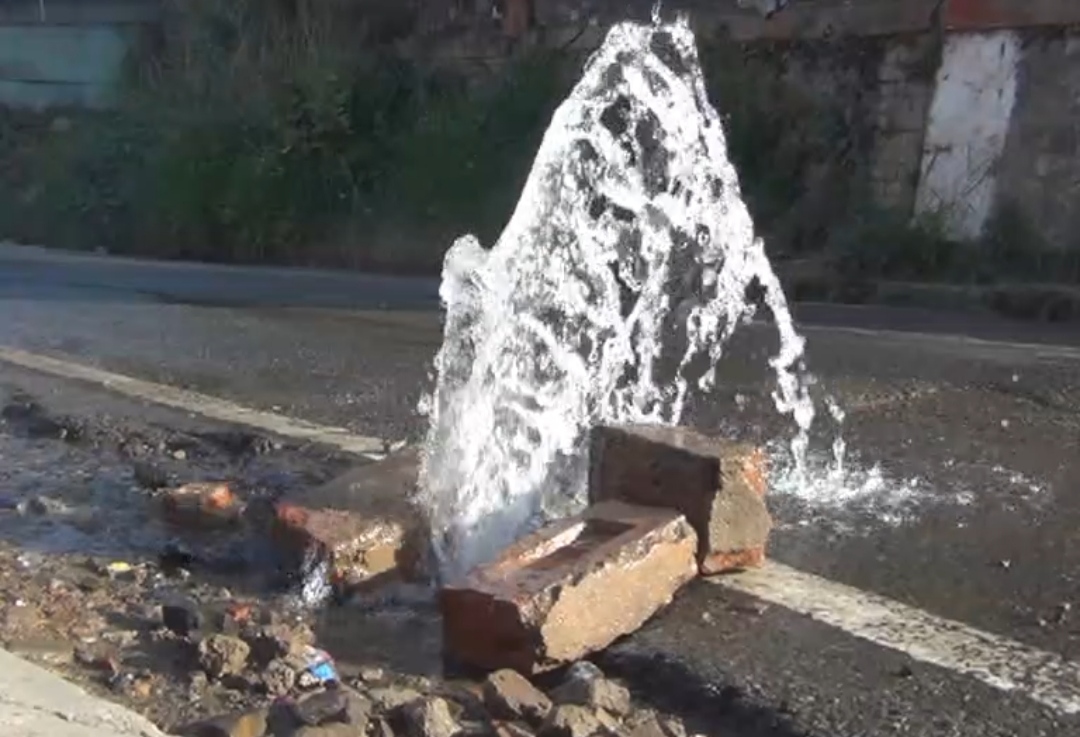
x,y
978,445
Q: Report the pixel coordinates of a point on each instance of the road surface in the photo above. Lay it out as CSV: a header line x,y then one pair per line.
x,y
972,424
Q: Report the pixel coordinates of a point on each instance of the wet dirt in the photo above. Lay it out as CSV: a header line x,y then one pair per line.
x,y
97,585
87,559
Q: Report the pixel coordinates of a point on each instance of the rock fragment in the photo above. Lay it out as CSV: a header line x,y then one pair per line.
x,y
510,696
429,717
390,698
278,678
182,616
322,707
202,505
570,720
596,693
242,724
222,655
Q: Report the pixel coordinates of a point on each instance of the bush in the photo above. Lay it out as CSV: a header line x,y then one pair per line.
x,y
251,136
881,244
292,133
797,151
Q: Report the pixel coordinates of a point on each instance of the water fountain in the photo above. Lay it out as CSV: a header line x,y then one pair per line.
x,y
609,297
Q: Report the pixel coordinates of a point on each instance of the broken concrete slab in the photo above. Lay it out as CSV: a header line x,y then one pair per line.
x,y
718,484
569,589
37,702
363,523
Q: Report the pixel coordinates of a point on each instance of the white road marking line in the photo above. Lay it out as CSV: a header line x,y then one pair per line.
x,y
956,342
997,661
202,404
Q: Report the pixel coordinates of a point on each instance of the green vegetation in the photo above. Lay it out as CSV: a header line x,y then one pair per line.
x,y
253,137
271,132
797,150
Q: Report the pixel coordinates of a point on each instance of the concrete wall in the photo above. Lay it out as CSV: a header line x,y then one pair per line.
x,y
1022,113
902,104
66,53
1039,168
995,122
965,129
974,103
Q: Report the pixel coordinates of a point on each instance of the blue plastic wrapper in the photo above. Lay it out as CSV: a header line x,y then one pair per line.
x,y
319,669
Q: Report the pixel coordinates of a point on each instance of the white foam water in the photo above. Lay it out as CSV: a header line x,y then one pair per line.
x,y
609,296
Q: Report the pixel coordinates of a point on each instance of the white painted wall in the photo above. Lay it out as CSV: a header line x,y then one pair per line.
x,y
966,128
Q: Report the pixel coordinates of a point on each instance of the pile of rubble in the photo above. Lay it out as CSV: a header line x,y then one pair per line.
x,y
583,704
666,505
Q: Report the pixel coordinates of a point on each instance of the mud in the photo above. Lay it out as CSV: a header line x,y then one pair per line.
x,y
97,585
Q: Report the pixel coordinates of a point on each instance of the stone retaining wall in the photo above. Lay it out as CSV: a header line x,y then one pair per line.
x,y
69,53
972,107
974,104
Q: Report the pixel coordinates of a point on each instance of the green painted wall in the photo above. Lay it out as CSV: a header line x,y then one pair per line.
x,y
66,53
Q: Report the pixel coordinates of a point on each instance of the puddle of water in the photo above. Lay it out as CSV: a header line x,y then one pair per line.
x,y
862,499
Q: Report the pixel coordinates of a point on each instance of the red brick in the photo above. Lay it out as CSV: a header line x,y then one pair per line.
x,y
569,589
363,523
737,561
202,505
718,485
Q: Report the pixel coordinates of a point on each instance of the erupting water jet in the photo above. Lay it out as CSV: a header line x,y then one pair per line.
x,y
609,296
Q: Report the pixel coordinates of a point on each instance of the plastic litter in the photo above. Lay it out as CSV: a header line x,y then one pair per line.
x,y
318,669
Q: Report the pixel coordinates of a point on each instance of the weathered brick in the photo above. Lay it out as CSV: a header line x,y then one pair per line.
x,y
569,589
363,523
509,695
202,505
718,484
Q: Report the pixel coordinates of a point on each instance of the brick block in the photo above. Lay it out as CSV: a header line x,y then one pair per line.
x,y
569,589
717,484
362,523
202,505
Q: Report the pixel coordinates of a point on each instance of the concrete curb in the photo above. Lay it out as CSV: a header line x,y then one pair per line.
x,y
37,703
1047,303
